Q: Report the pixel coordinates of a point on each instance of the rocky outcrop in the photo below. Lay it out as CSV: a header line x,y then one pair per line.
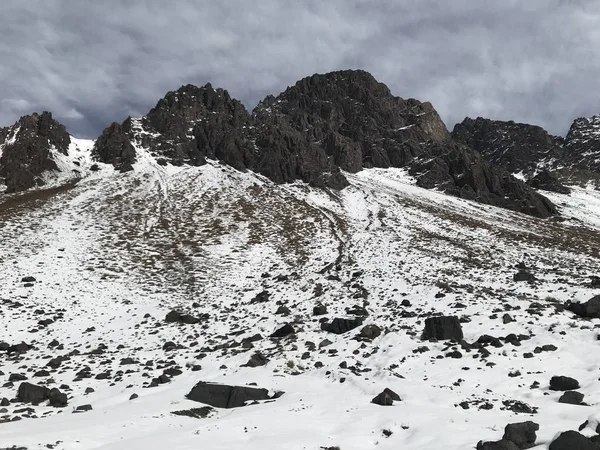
x,y
356,120
114,146
547,162
26,150
582,144
460,171
517,147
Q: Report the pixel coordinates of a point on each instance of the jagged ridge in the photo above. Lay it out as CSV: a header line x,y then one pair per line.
x,y
341,120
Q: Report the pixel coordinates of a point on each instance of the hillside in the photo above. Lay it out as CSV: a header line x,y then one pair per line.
x,y
205,243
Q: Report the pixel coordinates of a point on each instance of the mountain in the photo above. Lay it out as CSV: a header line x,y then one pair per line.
x,y
546,162
305,260
323,124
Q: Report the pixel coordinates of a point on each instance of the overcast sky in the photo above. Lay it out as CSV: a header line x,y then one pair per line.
x,y
95,62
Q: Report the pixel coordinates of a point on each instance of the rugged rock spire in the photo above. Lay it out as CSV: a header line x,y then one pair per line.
x,y
26,150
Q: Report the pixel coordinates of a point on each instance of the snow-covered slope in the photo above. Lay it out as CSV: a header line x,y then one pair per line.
x,y
114,253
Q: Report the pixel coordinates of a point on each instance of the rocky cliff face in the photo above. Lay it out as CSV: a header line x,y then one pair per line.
x,y
356,120
26,150
517,147
547,162
582,146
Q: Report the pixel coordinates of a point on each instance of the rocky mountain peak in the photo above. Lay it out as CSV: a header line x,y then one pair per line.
x,y
584,129
517,147
26,150
179,109
314,130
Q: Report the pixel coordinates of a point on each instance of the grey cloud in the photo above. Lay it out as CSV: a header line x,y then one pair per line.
x,y
92,63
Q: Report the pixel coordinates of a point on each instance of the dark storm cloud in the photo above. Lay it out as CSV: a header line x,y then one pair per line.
x,y
91,63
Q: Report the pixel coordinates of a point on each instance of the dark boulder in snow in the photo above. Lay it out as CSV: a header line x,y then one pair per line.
x,y
522,434
319,310
571,398
284,331
560,383
386,398
176,317
31,393
572,440
340,326
523,275
442,328
225,396
57,398
369,332
498,445
589,309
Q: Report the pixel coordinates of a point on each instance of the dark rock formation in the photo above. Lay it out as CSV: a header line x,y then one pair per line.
x,y
571,398
386,398
582,149
498,445
25,150
523,434
547,162
589,309
460,171
571,440
442,328
224,396
517,147
341,326
548,181
284,331
114,146
340,120
561,383
31,393
523,275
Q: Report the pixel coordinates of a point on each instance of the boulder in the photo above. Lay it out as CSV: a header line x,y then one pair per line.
x,y
562,383
572,440
386,398
571,398
497,445
341,326
523,275
284,331
31,393
225,396
57,398
589,309
523,434
443,328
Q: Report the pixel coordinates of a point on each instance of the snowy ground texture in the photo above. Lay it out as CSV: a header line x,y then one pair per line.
x,y
114,253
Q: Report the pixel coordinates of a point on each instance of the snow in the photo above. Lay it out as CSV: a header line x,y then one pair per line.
x,y
116,247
